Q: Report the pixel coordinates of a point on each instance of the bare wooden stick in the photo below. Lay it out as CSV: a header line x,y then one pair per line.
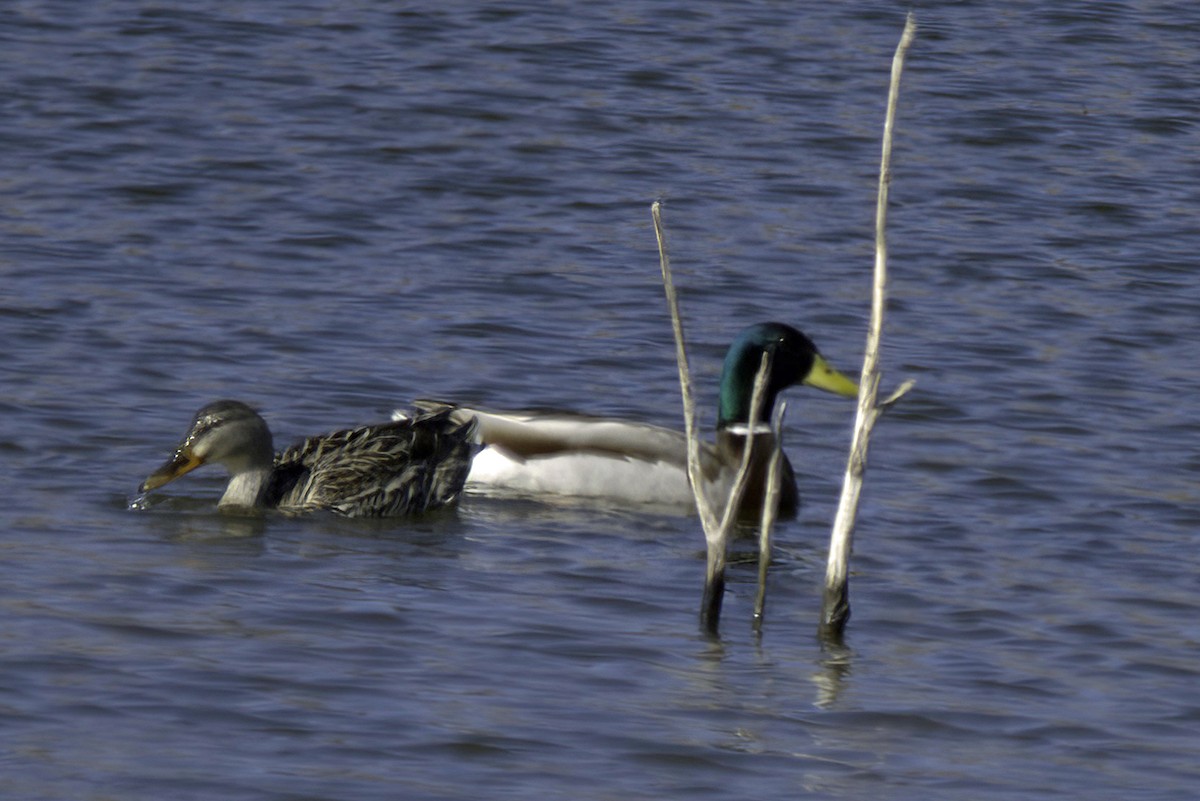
x,y
707,517
717,532
757,395
767,521
718,538
835,604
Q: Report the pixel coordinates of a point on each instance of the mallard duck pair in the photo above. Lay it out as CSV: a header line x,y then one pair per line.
x,y
422,462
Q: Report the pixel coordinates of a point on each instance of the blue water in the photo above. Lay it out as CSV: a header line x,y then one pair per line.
x,y
327,211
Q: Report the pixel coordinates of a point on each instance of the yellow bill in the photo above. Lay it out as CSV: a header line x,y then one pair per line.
x,y
822,376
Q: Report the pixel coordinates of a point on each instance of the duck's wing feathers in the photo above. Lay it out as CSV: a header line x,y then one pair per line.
x,y
397,468
528,435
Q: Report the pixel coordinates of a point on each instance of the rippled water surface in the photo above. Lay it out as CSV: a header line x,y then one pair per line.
x,y
330,210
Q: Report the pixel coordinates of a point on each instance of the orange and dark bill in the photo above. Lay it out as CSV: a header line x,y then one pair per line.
x,y
183,462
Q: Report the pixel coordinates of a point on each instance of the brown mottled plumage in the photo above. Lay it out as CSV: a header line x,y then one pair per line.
x,y
398,468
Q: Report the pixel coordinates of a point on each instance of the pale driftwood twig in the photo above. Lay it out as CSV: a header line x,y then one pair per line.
x,y
717,531
695,474
717,539
835,604
769,511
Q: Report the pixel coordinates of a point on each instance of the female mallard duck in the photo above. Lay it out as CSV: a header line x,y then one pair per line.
x,y
395,468
571,455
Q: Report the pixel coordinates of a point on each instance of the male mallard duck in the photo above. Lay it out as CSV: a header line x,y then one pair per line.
x,y
573,455
394,468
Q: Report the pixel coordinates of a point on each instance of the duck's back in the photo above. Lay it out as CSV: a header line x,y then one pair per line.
x,y
572,455
398,468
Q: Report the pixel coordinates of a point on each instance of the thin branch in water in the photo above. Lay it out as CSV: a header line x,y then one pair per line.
x,y
898,393
738,489
835,605
718,538
769,511
695,474
716,531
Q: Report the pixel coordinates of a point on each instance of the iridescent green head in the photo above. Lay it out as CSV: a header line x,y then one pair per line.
x,y
794,360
